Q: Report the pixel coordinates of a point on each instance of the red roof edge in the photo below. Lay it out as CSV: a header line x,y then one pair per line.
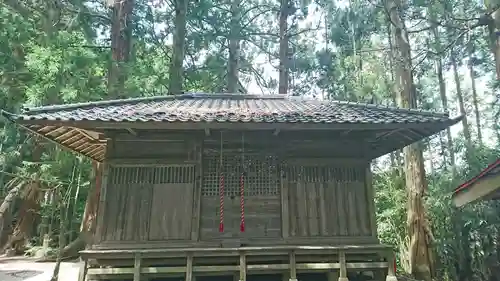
x,y
477,177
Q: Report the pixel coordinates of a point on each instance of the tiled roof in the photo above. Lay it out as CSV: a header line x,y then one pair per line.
x,y
230,108
67,126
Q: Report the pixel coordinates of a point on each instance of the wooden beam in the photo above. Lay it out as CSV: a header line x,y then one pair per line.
x,y
343,267
255,268
243,267
50,139
370,197
293,266
99,125
70,132
131,131
137,267
348,246
101,207
189,268
89,134
285,213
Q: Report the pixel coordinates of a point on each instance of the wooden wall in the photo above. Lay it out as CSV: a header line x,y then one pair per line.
x,y
149,203
327,200
157,190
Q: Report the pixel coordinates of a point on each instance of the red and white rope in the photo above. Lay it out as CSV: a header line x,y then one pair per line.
x,y
242,202
221,194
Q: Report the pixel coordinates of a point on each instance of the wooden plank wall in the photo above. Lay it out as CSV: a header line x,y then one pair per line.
x,y
177,198
149,203
329,201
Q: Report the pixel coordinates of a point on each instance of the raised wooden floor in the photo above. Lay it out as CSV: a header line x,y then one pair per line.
x,y
237,261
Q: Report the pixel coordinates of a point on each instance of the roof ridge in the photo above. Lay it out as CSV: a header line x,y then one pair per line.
x,y
152,98
195,95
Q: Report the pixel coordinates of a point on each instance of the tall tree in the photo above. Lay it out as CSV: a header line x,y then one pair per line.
x,y
442,91
176,74
121,44
475,101
461,101
285,8
493,21
420,237
234,47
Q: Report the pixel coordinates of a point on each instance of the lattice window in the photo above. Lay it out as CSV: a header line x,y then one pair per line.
x,y
153,175
261,174
324,173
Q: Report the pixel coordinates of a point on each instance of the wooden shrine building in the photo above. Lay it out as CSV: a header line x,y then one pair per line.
x,y
234,186
484,186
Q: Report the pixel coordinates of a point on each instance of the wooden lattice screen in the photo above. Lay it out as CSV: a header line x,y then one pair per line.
x,y
261,195
261,174
149,202
309,173
152,174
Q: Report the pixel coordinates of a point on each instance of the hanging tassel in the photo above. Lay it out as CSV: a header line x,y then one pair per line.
x,y
242,202
221,194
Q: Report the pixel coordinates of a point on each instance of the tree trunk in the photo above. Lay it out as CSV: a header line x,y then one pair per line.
x,y
396,154
283,52
89,220
27,216
494,30
234,46
461,105
176,71
475,101
121,43
419,233
6,205
62,231
444,99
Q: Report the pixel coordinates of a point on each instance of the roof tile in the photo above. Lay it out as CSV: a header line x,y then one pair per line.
x,y
230,108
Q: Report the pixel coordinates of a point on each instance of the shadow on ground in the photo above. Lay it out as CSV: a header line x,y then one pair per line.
x,y
17,275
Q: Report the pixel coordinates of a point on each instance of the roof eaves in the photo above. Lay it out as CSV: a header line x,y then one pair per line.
x,y
468,183
393,108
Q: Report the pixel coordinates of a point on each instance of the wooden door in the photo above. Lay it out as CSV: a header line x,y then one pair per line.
x,y
172,203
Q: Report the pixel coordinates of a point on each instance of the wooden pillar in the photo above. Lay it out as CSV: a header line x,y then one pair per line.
x,y
391,274
243,267
137,267
371,202
195,229
343,267
293,267
101,207
285,213
189,267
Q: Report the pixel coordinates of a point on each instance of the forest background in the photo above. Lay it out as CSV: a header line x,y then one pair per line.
x,y
433,55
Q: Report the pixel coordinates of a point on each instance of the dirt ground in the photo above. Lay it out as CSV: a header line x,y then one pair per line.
x,y
26,269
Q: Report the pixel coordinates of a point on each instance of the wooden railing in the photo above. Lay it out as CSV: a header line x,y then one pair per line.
x,y
290,262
